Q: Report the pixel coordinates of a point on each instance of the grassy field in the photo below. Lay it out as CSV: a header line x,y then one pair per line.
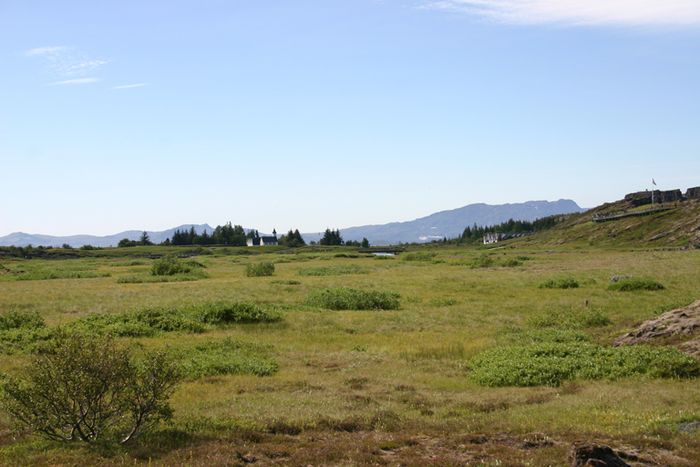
x,y
417,385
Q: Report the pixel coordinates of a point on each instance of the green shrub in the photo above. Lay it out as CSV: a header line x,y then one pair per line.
x,y
170,265
265,268
143,323
552,363
225,313
570,319
342,298
632,283
333,270
560,283
20,319
224,357
89,389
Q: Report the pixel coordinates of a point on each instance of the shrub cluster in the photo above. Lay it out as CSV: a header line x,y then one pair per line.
x,y
343,298
224,357
630,284
560,283
170,265
265,268
550,364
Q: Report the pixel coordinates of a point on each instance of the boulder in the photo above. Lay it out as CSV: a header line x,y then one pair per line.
x,y
598,455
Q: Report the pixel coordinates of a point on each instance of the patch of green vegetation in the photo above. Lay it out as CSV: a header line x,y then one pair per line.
x,y
550,364
286,282
225,357
482,261
171,265
560,283
343,298
570,319
333,270
265,268
511,262
440,302
219,313
19,329
142,323
419,256
187,277
631,284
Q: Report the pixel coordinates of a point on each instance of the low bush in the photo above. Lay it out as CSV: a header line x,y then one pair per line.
x,y
549,364
20,319
632,283
342,298
511,262
143,323
333,270
170,265
560,283
265,268
225,357
570,319
226,313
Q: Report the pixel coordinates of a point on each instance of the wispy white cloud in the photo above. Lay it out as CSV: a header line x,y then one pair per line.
x,y
579,12
72,82
66,62
130,86
51,50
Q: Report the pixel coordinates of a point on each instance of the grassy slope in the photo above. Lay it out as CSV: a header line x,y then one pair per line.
x,y
678,227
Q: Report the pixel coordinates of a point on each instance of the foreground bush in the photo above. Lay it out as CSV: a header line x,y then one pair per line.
x,y
550,364
89,389
341,298
260,269
630,284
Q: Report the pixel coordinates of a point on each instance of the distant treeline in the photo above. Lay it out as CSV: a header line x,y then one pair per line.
x,y
510,227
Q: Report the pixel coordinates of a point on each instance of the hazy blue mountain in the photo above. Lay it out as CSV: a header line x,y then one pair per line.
x,y
425,229
24,239
451,223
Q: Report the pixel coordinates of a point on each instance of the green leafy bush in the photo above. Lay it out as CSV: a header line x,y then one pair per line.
x,y
560,283
143,323
20,319
570,319
632,283
225,313
342,298
550,364
265,268
89,389
170,265
225,357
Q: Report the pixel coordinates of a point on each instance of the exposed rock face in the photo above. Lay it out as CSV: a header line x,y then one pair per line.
x,y
669,196
693,193
639,198
589,455
681,324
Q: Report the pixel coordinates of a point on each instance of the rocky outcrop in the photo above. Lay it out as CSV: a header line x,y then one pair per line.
x,y
680,326
590,455
693,193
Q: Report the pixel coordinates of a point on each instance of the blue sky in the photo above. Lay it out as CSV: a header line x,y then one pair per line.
x,y
308,114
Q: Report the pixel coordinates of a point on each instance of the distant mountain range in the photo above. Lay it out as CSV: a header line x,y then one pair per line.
x,y
24,239
425,229
451,223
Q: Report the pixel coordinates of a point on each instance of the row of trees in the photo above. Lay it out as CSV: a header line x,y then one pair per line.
x,y
333,237
476,233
